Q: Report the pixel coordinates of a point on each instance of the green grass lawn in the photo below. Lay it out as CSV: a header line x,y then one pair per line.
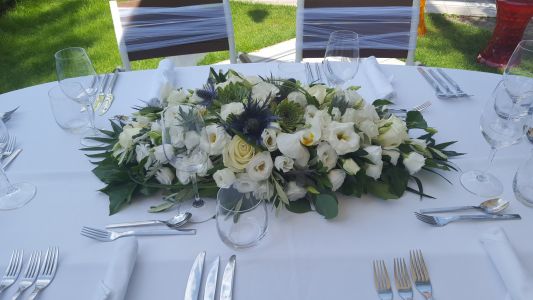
x,y
34,30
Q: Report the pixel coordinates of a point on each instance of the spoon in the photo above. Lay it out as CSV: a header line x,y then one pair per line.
x,y
491,206
174,222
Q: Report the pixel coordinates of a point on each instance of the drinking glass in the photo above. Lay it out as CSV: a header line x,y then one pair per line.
x,y
518,74
242,217
12,196
341,60
523,182
69,114
186,147
502,125
74,68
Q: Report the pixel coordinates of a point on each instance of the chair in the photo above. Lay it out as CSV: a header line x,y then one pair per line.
x,y
159,28
386,28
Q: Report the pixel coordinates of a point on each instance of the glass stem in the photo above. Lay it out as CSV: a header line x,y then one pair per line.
x,y
483,177
198,202
5,184
90,110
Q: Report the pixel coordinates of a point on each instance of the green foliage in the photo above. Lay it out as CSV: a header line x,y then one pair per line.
x,y
291,115
233,92
326,204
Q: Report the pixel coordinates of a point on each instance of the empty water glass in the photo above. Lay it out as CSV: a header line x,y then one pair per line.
x,y
523,182
69,114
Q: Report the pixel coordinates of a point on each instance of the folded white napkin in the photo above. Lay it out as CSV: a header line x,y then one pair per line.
x,y
379,82
164,80
517,280
115,284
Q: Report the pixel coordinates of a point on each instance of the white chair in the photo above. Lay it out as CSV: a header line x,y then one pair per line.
x,y
386,28
159,28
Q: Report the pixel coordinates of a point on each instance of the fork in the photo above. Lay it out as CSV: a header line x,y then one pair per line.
x,y
420,108
442,221
47,272
108,236
401,277
455,85
382,280
10,146
420,274
30,274
12,270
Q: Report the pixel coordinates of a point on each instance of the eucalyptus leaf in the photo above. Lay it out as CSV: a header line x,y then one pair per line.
x,y
161,207
327,205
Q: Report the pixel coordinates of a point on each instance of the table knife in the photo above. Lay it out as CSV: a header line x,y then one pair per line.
x,y
108,100
431,82
100,96
440,81
192,291
211,281
452,82
8,160
226,287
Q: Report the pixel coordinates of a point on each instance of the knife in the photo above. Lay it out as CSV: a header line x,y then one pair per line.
x,y
226,288
431,81
100,96
10,158
108,100
192,291
211,281
440,81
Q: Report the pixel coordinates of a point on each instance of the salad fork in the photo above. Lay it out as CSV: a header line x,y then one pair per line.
x,y
108,236
402,279
442,221
47,272
30,274
420,274
12,270
382,280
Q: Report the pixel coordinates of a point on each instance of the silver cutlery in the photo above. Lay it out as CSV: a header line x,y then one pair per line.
x,y
32,269
174,222
8,160
402,279
318,70
226,286
491,206
382,280
420,108
7,115
47,273
12,270
308,73
211,281
10,145
432,82
442,221
455,85
441,82
100,95
192,291
420,274
108,100
108,236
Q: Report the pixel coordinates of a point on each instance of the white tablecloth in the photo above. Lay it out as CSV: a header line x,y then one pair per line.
x,y
302,256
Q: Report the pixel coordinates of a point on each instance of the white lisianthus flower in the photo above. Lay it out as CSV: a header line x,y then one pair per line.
x,y
311,136
349,116
264,91
159,153
172,112
264,191
192,139
290,146
156,127
318,91
177,136
235,108
367,113
336,114
260,166
284,163
224,178
374,170
336,178
392,132
125,138
141,121
374,154
183,177
342,137
164,176
195,99
177,97
217,137
326,155
253,79
393,154
414,162
369,128
310,111
244,184
269,139
298,98
350,166
352,97
141,151
294,191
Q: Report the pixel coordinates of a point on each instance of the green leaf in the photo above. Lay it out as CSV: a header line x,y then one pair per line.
x,y
415,120
381,190
119,195
420,186
397,179
281,193
299,206
161,207
381,102
327,205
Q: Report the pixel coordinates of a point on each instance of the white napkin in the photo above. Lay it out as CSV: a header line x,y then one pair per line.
x,y
519,282
164,80
379,82
115,284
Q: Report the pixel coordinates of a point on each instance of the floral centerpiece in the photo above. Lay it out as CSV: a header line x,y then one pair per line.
x,y
294,144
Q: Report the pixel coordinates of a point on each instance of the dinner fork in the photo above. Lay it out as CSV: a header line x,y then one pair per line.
x,y
47,272
382,280
108,236
402,279
442,221
32,269
12,270
10,146
420,108
420,274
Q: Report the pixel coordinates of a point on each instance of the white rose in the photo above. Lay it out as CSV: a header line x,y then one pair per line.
x,y
374,170
350,166
374,154
264,91
342,137
217,137
224,178
326,155
349,115
352,97
414,162
393,132
192,139
369,128
183,177
264,191
336,114
290,146
298,98
141,151
284,163
260,166
177,97
295,192
164,176
125,138
161,153
269,139
318,91
237,153
393,154
235,108
336,177
244,184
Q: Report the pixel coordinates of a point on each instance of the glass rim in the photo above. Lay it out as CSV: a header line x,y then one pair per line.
x,y
82,51
234,210
344,33
523,42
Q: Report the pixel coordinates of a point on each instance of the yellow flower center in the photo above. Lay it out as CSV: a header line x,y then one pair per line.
x,y
212,138
307,139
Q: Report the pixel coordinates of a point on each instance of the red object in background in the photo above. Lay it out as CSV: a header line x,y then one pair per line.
x,y
511,21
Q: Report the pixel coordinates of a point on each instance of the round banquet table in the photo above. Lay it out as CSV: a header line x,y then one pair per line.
x,y
303,256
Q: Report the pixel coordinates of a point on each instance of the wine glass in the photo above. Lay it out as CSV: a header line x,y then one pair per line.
x,y
502,125
74,69
16,195
186,148
518,74
341,60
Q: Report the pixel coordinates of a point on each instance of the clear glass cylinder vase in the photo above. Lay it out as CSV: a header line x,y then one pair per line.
x,y
523,182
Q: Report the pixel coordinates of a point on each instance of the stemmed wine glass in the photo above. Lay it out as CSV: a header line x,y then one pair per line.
x,y
518,74
186,147
502,124
12,195
74,69
341,60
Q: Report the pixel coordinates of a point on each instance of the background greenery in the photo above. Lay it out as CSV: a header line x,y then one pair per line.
x,y
33,30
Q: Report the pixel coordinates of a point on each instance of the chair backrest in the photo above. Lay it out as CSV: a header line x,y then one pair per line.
x,y
386,28
158,28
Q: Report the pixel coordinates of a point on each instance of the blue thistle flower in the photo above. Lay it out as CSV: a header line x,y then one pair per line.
x,y
250,124
208,93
